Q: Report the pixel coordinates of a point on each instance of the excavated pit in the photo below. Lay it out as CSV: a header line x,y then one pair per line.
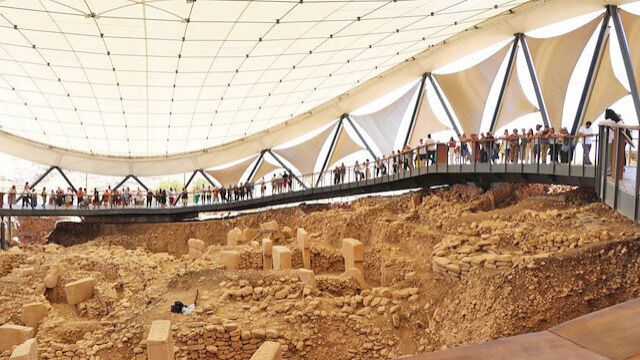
x,y
443,268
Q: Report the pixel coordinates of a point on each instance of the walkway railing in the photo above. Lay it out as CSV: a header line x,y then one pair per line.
x,y
617,179
557,156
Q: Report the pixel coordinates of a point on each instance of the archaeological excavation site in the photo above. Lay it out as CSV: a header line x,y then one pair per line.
x,y
375,278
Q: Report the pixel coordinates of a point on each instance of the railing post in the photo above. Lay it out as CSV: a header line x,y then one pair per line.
x,y
637,189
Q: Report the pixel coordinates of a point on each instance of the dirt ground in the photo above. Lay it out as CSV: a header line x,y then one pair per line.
x,y
442,268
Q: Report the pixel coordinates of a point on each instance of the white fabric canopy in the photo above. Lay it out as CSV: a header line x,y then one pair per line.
x,y
554,60
24,139
468,90
263,169
606,90
304,155
631,24
383,125
231,175
426,122
344,146
515,103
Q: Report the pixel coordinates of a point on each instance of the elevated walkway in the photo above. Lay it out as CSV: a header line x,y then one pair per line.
x,y
429,176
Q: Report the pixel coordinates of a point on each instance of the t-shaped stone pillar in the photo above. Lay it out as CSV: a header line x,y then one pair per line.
x,y
305,246
353,253
196,248
281,258
267,253
160,341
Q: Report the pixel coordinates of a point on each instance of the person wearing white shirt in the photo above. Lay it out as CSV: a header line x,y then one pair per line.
x,y
586,132
431,149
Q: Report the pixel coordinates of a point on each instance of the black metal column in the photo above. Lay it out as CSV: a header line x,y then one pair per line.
x,y
626,56
204,174
505,82
421,97
444,104
255,167
3,241
331,148
346,116
287,168
598,53
534,79
186,185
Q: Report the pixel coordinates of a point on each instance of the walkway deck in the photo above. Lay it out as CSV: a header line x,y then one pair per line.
x,y
609,334
435,175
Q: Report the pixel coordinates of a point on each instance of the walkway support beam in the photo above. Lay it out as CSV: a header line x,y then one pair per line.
x,y
598,53
131,177
331,148
436,87
422,96
534,79
626,56
44,175
287,169
346,116
505,82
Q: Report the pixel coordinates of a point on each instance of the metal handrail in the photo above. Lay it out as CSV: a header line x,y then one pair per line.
x,y
403,164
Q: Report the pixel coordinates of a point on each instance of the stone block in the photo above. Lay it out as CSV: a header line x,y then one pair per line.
x,y
32,313
160,341
26,271
234,237
196,248
356,274
269,227
80,290
281,258
267,246
303,239
267,262
12,335
51,279
269,350
307,277
306,258
230,259
28,350
352,251
288,232
249,234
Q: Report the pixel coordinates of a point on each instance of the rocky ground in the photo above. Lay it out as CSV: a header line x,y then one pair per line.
x,y
443,268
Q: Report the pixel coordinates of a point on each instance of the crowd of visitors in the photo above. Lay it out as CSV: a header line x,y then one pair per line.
x,y
541,145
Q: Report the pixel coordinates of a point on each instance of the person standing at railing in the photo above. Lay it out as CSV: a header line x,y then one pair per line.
x,y
514,146
586,133
25,195
1,199
431,149
43,195
11,198
34,198
564,142
451,149
616,161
